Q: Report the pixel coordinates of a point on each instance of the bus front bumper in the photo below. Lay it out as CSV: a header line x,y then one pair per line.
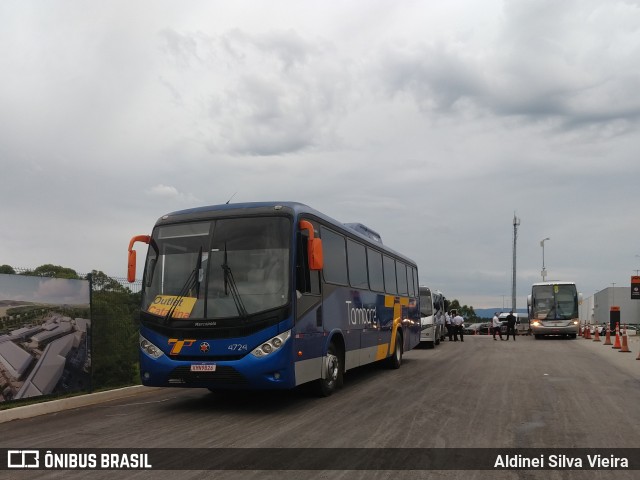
x,y
246,373
555,328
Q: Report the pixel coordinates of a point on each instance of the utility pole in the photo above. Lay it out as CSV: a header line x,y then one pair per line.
x,y
544,271
516,224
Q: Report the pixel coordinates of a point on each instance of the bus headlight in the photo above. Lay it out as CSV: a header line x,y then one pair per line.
x,y
272,345
149,348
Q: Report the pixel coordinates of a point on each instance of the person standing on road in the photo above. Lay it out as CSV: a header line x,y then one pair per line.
x,y
496,323
511,325
439,326
458,327
447,320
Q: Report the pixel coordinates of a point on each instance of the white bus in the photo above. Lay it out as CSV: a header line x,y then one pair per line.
x,y
553,309
432,308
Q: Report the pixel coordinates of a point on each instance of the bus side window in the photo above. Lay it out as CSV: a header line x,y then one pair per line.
x,y
401,274
307,281
389,265
374,265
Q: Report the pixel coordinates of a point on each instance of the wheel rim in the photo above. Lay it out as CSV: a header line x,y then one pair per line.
x,y
333,368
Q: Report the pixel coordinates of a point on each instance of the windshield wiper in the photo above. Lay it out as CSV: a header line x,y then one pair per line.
x,y
193,280
230,285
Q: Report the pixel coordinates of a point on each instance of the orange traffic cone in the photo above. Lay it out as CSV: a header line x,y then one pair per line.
x,y
607,338
580,331
587,333
596,337
625,346
616,344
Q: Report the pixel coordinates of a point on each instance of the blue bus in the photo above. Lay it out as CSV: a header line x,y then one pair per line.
x,y
270,296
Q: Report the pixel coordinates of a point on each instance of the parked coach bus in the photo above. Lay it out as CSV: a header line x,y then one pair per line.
x,y
553,309
432,324
270,296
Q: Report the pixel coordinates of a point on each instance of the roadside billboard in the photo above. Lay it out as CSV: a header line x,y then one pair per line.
x,y
45,336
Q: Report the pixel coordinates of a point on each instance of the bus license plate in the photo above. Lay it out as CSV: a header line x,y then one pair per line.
x,y
203,368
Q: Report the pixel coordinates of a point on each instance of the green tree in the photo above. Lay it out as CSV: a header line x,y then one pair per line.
x,y
467,312
454,305
7,269
55,271
101,281
114,321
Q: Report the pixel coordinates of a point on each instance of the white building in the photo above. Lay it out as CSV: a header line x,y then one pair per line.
x,y
47,372
597,308
15,360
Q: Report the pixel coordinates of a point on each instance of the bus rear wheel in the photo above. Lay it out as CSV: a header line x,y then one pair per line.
x,y
332,372
395,360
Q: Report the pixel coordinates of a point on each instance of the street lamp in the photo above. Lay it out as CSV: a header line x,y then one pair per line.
x,y
544,271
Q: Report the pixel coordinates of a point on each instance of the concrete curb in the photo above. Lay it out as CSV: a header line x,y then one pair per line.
x,y
54,406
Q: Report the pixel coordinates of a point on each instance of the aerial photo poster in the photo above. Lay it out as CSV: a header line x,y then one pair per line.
x,y
45,336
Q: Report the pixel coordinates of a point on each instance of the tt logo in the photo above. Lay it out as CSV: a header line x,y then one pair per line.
x,y
178,344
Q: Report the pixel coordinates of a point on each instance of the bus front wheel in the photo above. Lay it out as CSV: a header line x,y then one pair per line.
x,y
332,372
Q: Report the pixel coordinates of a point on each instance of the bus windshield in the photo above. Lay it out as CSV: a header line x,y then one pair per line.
x,y
554,302
426,305
227,268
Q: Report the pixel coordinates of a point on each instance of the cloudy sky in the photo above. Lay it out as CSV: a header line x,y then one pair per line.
x,y
44,290
432,122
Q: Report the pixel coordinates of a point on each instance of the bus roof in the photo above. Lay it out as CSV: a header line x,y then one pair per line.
x,y
553,283
257,208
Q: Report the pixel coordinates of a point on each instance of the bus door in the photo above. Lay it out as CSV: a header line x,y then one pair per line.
x,y
309,324
309,315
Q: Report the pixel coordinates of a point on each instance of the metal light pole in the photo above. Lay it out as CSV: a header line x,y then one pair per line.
x,y
516,224
544,271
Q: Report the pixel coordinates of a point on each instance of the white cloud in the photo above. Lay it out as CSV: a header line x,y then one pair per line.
x,y
169,192
163,191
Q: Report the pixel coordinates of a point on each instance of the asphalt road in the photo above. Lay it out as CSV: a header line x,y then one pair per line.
x,y
479,393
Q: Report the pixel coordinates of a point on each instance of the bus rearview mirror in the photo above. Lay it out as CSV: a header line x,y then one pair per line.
x,y
314,246
315,254
131,260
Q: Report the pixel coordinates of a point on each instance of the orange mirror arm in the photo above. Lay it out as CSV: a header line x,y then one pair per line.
x,y
139,238
306,225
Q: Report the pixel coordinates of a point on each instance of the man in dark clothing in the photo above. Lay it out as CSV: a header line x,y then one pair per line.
x,y
511,325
